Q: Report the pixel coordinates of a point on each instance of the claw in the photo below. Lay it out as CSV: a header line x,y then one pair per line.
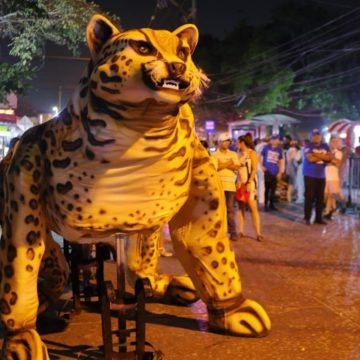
x,y
248,320
24,345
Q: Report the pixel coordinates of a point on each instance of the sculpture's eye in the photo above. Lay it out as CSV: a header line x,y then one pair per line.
x,y
143,47
183,53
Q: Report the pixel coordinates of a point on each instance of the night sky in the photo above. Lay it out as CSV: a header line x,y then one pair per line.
x,y
216,17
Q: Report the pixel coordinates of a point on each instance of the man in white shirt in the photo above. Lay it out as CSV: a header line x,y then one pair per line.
x,y
227,166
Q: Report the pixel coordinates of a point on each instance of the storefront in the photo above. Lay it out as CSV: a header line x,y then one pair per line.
x,y
348,130
263,125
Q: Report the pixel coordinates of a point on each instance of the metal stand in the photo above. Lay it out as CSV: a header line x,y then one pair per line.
x,y
80,260
117,300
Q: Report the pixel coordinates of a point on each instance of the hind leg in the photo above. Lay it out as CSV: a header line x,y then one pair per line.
x,y
54,273
200,241
143,262
21,250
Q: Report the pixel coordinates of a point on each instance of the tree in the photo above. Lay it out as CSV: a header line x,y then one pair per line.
x,y
28,24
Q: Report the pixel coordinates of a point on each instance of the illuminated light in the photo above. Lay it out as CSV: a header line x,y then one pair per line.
x,y
7,111
55,110
343,135
327,137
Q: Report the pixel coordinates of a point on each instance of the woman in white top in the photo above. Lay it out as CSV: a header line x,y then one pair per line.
x,y
333,185
248,179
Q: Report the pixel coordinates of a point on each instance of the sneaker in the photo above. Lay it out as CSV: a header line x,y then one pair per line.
x,y
320,222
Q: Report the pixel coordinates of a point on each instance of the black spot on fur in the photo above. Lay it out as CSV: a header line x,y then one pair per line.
x,y
11,253
72,145
66,117
34,189
4,307
64,188
7,288
36,175
9,271
50,134
114,67
14,205
109,79
89,154
33,204
43,146
97,122
13,298
214,204
31,237
37,160
48,171
63,163
28,165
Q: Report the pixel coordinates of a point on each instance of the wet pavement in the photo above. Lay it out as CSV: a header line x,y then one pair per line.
x,y
306,277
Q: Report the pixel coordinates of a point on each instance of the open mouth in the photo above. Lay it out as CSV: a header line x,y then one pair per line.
x,y
172,84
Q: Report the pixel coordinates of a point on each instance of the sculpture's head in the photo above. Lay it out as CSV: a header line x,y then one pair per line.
x,y
137,65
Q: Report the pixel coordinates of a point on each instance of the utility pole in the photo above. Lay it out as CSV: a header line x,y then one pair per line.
x,y
192,15
59,98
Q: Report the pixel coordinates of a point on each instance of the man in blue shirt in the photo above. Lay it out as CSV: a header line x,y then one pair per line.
x,y
317,154
272,165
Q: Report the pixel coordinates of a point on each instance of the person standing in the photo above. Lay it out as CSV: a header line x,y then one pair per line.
x,y
248,181
292,158
317,154
260,173
332,178
272,164
227,166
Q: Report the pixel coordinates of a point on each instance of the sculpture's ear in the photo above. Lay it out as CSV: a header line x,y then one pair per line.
x,y
188,33
98,32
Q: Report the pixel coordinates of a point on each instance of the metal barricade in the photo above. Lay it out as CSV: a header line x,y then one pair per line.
x,y
352,182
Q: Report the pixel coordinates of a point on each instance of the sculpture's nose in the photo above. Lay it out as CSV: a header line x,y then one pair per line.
x,y
177,68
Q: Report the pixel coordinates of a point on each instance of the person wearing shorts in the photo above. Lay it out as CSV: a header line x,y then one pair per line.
x,y
332,186
248,181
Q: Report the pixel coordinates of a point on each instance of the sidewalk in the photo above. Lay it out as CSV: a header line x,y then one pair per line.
x,y
307,278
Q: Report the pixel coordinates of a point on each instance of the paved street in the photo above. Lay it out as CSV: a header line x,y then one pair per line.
x,y
307,278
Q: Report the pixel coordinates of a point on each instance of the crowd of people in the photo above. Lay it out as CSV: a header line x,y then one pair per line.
x,y
251,169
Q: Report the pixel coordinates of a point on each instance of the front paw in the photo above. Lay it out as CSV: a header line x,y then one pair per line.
x,y
26,344
249,320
